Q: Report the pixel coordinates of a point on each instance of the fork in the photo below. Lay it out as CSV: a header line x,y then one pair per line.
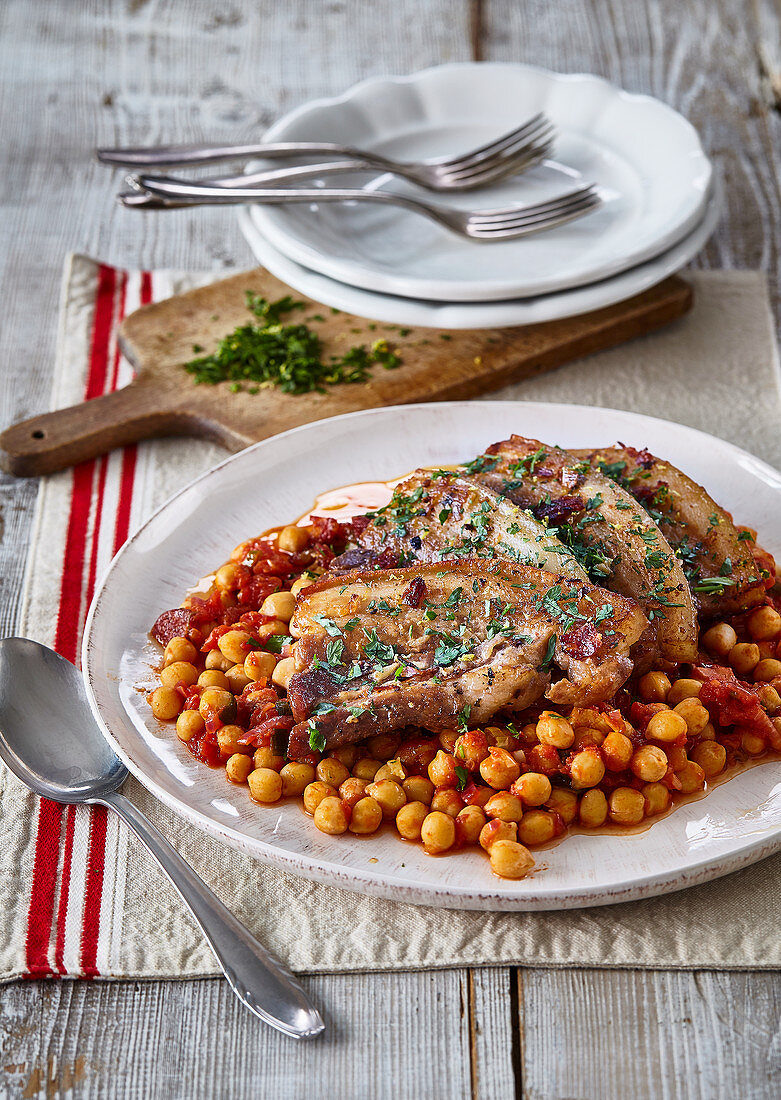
x,y
506,155
486,225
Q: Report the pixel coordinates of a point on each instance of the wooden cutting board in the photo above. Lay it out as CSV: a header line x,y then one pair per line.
x,y
436,366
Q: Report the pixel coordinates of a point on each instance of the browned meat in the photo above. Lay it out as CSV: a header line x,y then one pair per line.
x,y
440,645
614,538
716,560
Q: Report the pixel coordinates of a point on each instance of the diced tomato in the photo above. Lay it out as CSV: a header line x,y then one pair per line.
x,y
204,746
735,704
262,733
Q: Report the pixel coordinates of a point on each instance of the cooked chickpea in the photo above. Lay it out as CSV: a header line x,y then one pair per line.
x,y
296,777
554,730
510,860
497,830
586,735
479,794
265,785
366,768
769,697
229,575
218,701
330,816
269,630
393,769
279,605
178,671
469,823
302,583
676,756
499,769
347,754
180,649
314,793
332,771
215,660
766,650
389,794
438,833
410,818
657,798
293,539
265,757
165,703
237,679
228,740
188,725
587,768
504,806
592,811
528,734
352,790
752,743
234,645
711,757
471,749
213,678
744,657
238,767
383,746
441,770
366,816
719,639
536,827
763,623
617,751
627,806
767,669
691,777
694,715
708,732
683,689
654,686
533,788
418,789
283,672
649,763
667,726
447,740
564,803
447,801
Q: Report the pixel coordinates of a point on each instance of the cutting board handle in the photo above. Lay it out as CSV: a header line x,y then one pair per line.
x,y
65,437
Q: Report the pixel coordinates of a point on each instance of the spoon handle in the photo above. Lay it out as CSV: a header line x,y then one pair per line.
x,y
255,975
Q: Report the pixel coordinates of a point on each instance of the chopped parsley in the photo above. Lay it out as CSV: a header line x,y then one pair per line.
x,y
463,777
275,642
316,738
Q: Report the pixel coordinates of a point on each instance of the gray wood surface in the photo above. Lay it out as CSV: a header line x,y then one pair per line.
x,y
75,74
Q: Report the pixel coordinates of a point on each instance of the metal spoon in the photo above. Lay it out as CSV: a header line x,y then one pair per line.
x,y
50,740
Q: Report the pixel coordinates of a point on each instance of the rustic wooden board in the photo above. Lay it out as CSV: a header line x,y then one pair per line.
x,y
436,366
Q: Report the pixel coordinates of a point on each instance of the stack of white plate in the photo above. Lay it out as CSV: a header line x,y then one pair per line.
x,y
660,201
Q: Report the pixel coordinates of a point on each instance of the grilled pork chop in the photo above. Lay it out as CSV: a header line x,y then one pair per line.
x,y
440,645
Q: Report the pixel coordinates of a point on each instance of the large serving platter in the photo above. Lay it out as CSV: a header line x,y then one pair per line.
x,y
735,824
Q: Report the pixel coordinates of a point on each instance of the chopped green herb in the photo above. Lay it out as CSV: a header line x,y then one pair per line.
x,y
275,642
463,777
316,738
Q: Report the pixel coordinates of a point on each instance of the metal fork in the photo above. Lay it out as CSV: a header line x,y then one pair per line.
x,y
485,225
506,155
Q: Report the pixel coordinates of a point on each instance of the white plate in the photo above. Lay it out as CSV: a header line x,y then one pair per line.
x,y
476,315
646,159
275,481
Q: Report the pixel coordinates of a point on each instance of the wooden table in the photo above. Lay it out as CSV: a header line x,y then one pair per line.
x,y
76,75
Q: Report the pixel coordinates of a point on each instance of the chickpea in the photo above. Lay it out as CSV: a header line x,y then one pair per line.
x,y
766,650
366,817
769,697
649,763
691,777
617,751
585,735
536,827
178,671
394,769
544,759
654,686
330,816
497,830
667,726
564,803
296,777
389,794
366,768
708,732
215,660
657,798
219,702
510,859
237,679
213,678
269,630
554,730
719,639
627,806
767,669
410,818
471,749
352,790
438,833
279,605
593,809
229,575
303,582
533,788
683,689
283,672
744,657
499,769
447,801
441,770
234,645
751,743
347,754
188,725
180,649
711,757
332,771
293,539
265,785
587,768
165,703
763,623
676,756
528,734
447,740
694,715
265,757
469,823
238,767
418,789
228,740
504,806
314,793
417,753
383,746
